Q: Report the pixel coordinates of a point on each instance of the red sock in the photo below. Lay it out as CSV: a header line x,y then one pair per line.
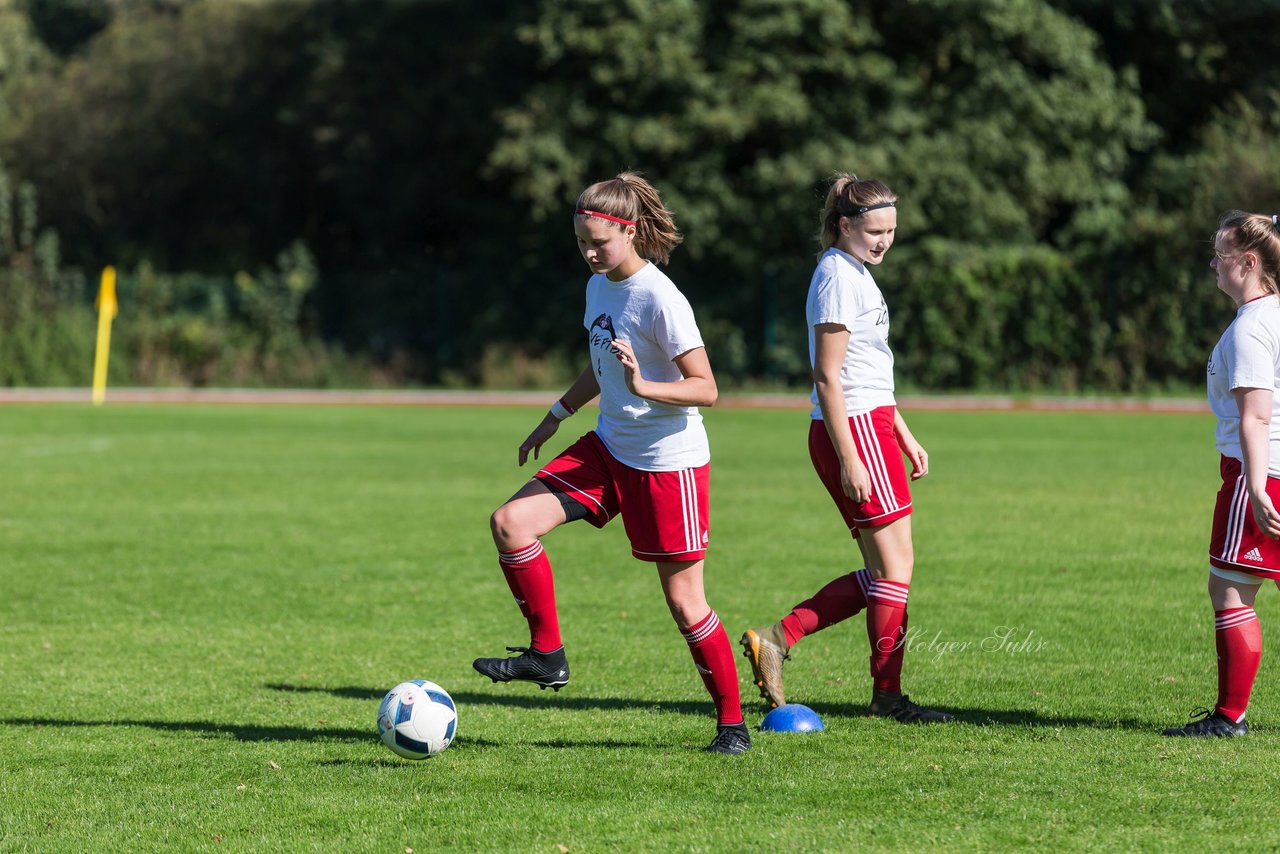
x,y
839,600
713,656
1239,640
528,572
886,629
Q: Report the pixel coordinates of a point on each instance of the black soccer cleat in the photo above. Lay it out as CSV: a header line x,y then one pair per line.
x,y
544,669
1209,723
900,708
731,740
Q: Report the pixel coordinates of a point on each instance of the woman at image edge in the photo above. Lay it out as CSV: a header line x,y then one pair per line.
x,y
1242,377
856,441
648,459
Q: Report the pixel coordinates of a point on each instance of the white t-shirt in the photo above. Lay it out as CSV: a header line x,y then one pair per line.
x,y
842,291
649,313
1246,356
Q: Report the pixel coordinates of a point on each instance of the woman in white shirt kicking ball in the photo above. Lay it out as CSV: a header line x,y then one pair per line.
x,y
647,459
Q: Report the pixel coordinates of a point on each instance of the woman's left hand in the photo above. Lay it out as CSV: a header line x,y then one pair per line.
x,y
916,453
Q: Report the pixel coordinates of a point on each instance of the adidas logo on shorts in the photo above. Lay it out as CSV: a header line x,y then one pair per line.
x,y
1253,554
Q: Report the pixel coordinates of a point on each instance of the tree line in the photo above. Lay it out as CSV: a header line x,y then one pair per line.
x,y
335,192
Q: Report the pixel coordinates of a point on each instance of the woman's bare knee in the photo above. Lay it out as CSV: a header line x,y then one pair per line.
x,y
889,551
504,526
687,610
684,592
526,516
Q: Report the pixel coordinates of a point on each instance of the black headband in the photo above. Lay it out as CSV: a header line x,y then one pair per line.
x,y
860,211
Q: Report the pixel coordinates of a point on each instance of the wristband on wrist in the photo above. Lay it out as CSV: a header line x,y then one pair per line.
x,y
561,410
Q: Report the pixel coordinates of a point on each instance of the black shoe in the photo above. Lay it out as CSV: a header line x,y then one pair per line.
x,y
900,708
731,740
544,669
1210,723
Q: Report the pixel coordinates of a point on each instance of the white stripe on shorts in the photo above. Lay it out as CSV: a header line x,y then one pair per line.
x,y
575,493
1238,507
880,481
689,505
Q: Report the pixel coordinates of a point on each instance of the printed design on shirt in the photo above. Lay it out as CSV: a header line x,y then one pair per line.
x,y
1209,367
882,315
601,337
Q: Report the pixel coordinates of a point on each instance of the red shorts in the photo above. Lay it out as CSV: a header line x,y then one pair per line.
x,y
1236,542
877,445
665,513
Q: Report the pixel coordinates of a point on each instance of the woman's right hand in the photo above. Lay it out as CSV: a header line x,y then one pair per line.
x,y
544,431
855,480
1265,514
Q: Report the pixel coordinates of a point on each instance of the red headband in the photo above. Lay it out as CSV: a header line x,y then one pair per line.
x,y
619,219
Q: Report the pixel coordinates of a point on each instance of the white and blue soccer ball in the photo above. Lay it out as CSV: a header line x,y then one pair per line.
x,y
417,719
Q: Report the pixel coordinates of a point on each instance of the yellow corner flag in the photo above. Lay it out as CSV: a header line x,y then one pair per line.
x,y
106,307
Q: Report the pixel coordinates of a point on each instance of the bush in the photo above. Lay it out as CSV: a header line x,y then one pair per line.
x,y
1004,317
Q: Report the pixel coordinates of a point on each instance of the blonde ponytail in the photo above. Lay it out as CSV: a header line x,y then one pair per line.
x,y
1259,234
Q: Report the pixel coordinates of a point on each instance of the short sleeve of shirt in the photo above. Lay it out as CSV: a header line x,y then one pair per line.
x,y
835,301
674,328
1254,365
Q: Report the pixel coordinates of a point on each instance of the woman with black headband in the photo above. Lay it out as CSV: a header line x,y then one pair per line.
x,y
856,441
1243,373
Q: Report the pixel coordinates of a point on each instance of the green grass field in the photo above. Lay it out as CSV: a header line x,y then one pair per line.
x,y
200,608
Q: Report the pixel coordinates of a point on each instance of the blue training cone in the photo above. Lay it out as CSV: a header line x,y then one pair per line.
x,y
792,717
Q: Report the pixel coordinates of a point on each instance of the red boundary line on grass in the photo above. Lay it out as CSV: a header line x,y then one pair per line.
x,y
798,401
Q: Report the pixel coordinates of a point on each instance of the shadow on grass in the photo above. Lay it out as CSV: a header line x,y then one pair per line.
x,y
545,699
560,743
528,700
240,732
267,733
389,763
995,717
349,693
1031,718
